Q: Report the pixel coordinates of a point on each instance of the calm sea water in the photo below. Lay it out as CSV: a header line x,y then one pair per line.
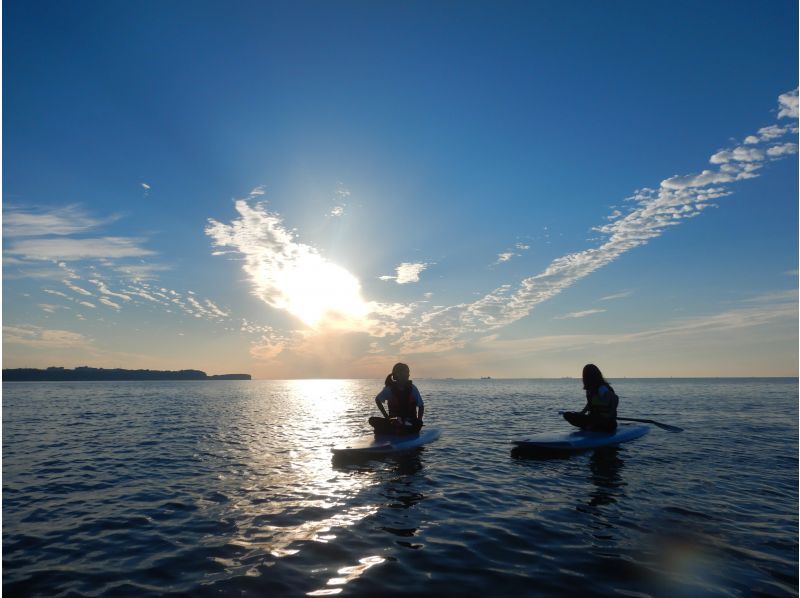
x,y
228,488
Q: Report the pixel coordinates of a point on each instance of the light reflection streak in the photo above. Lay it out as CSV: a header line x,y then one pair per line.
x,y
316,499
348,574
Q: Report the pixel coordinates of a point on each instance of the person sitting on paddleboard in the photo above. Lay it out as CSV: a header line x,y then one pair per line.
x,y
600,412
405,404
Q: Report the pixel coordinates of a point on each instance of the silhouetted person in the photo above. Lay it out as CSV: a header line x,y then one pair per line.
x,y
404,401
600,412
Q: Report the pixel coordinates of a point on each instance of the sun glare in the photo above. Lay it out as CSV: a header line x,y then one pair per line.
x,y
318,290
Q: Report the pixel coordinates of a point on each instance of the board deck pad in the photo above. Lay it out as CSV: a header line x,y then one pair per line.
x,y
581,439
385,445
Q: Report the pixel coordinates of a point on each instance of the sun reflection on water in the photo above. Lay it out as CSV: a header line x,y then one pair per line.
x,y
348,574
294,425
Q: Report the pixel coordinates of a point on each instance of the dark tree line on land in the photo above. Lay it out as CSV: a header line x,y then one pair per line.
x,y
84,373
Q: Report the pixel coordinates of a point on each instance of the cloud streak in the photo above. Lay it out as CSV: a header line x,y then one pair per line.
x,y
580,314
36,222
676,200
41,338
78,249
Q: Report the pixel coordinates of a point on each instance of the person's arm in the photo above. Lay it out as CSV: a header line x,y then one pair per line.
x,y
379,403
586,408
381,407
420,404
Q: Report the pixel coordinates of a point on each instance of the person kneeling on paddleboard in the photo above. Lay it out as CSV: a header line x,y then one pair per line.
x,y
600,412
405,404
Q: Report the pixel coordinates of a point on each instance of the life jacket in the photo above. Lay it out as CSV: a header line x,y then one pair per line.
x,y
402,402
603,403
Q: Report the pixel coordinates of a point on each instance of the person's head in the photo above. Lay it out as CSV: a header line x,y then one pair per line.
x,y
400,373
592,377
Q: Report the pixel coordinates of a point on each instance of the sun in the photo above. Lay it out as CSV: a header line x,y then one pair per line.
x,y
318,291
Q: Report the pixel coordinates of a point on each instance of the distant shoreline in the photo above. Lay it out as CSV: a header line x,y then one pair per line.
x,y
88,374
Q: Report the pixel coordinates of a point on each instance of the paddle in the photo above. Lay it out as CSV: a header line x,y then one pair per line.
x,y
666,427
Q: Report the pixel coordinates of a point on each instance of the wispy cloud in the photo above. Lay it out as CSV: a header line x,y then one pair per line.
x,y
506,256
621,295
342,195
676,200
103,288
35,336
109,303
77,289
78,249
35,222
766,309
580,314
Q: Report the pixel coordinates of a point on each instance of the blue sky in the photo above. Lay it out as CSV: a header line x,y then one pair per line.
x,y
321,189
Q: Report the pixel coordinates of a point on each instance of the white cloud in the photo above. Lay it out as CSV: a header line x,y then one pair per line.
x,y
504,257
145,186
296,277
103,288
337,211
782,150
788,104
738,154
707,177
87,304
77,289
407,272
769,133
57,293
109,303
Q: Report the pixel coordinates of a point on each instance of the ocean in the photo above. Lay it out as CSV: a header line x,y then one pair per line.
x,y
228,489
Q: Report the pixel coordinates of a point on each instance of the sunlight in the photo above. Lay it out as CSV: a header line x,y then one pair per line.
x,y
329,399
317,290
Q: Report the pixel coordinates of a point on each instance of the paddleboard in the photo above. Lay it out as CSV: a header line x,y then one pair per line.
x,y
580,440
386,445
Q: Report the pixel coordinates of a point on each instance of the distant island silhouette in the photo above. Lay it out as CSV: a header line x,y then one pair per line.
x,y
85,373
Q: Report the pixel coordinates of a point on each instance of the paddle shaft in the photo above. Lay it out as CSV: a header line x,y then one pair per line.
x,y
666,427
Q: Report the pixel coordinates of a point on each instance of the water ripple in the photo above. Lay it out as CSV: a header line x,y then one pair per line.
x,y
229,488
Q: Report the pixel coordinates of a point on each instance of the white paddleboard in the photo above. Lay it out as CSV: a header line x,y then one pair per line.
x,y
581,440
386,445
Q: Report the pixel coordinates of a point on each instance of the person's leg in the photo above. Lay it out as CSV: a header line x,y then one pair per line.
x,y
578,420
604,425
381,425
415,428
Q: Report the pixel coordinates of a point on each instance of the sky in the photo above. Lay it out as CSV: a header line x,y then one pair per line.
x,y
322,189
